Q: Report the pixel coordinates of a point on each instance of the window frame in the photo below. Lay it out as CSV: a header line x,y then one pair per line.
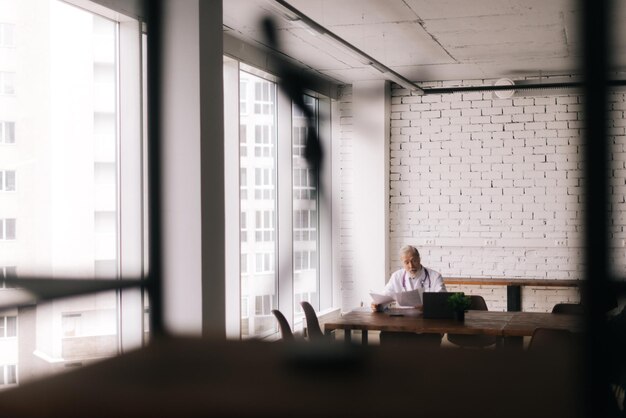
x,y
284,195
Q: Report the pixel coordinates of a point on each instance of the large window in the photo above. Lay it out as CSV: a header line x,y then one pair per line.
x,y
305,211
71,187
280,245
258,210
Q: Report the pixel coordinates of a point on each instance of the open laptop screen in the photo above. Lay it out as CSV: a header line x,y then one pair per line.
x,y
436,305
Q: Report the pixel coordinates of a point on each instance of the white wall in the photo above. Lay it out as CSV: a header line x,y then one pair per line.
x,y
487,187
370,187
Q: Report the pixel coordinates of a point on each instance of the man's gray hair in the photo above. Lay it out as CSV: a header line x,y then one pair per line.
x,y
409,249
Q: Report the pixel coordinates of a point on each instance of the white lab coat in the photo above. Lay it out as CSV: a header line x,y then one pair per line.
x,y
428,280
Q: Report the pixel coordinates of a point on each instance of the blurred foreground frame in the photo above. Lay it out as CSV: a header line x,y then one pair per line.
x,y
207,377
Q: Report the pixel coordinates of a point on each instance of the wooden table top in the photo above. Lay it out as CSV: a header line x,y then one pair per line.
x,y
524,323
476,322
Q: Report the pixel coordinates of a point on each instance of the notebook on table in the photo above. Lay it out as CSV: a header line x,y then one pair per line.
x,y
436,305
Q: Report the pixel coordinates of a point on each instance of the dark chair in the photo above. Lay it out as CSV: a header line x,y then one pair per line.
x,y
285,329
475,341
568,308
314,331
549,340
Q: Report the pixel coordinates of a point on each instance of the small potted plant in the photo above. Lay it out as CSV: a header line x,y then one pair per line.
x,y
459,304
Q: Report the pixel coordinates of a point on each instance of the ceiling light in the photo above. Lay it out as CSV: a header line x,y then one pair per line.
x,y
504,94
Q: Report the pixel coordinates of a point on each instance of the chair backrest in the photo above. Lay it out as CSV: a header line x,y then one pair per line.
x,y
569,308
312,323
285,329
478,303
551,340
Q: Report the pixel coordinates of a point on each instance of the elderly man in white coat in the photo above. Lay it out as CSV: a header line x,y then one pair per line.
x,y
413,276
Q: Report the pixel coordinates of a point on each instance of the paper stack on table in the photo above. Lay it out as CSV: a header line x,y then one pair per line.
x,y
408,299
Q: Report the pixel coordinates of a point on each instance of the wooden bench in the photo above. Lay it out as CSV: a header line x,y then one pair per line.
x,y
513,286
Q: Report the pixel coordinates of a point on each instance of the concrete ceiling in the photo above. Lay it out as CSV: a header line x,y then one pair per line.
x,y
427,40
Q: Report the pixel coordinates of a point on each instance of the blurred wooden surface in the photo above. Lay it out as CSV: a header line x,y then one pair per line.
x,y
202,378
476,322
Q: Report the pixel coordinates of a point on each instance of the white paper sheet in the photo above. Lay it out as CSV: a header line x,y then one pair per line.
x,y
411,298
378,298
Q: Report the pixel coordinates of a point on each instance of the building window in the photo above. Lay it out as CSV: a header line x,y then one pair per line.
x,y
264,184
7,34
244,227
264,226
263,141
7,180
243,141
7,132
7,272
7,82
264,262
81,177
8,374
8,326
243,183
274,179
72,324
264,97
305,209
257,169
7,229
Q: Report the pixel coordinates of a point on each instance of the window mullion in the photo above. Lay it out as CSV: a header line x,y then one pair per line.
x,y
285,207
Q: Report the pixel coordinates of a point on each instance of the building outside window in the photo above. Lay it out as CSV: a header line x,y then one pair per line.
x,y
8,374
278,252
63,83
7,180
7,132
305,211
7,229
257,161
9,272
7,35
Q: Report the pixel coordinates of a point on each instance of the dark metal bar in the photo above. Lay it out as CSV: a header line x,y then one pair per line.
x,y
154,21
595,36
531,86
514,298
365,58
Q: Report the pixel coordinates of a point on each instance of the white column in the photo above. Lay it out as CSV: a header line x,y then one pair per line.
x,y
193,168
371,105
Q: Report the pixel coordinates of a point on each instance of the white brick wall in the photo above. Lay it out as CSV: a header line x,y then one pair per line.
x,y
347,207
490,187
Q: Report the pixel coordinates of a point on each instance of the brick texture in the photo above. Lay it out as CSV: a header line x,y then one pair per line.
x,y
490,187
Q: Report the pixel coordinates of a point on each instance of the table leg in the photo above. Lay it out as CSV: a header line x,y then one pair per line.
x,y
364,337
514,298
347,336
516,343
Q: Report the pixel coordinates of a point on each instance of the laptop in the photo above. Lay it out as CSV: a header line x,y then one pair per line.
x,y
436,305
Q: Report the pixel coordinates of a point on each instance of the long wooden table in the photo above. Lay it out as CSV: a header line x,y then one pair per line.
x,y
509,327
